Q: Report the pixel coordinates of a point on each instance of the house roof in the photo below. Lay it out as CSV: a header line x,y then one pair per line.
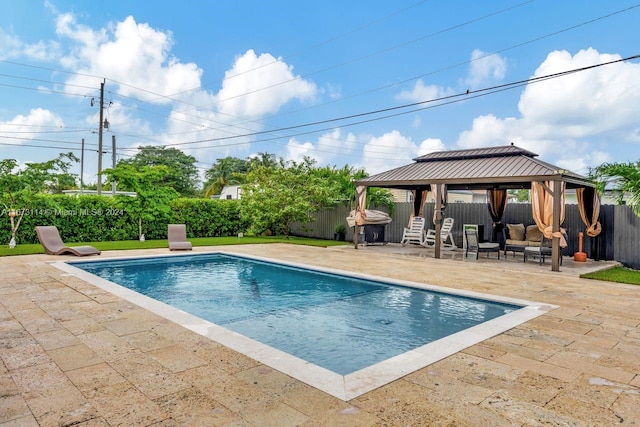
x,y
507,167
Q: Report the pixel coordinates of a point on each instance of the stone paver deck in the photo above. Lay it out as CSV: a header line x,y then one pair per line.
x,y
73,354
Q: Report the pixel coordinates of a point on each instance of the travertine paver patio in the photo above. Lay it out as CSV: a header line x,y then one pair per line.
x,y
73,354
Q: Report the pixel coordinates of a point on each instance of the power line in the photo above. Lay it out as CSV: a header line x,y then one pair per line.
x,y
312,47
474,93
438,70
373,53
344,98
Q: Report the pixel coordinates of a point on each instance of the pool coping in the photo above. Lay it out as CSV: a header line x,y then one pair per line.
x,y
344,387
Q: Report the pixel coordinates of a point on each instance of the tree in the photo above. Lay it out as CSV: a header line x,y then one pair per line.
x,y
152,200
346,178
51,176
227,171
522,195
18,186
274,197
625,178
264,159
181,172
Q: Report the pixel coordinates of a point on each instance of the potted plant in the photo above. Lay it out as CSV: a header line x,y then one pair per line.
x,y
339,231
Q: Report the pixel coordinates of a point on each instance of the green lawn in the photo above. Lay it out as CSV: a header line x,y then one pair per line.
x,y
198,241
615,274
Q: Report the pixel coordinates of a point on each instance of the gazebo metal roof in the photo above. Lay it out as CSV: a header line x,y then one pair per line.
x,y
503,167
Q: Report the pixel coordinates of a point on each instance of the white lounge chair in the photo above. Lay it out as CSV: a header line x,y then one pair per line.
x,y
415,232
446,238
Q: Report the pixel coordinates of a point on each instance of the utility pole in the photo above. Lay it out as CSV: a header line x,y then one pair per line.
x,y
81,166
99,186
113,162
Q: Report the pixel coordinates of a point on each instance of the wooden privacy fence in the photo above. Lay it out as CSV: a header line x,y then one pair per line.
x,y
619,240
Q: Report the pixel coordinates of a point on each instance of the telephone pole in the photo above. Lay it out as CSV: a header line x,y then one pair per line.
x,y
82,167
99,185
113,162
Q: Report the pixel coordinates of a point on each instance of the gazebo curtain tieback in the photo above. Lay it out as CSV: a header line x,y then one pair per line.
x,y
549,234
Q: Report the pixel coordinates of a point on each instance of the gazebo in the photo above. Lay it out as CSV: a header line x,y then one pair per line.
x,y
495,169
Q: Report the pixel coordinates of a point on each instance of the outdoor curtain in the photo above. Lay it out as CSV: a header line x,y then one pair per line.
x,y
589,207
497,203
419,200
361,204
542,208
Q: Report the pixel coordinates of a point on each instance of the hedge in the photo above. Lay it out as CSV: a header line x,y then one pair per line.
x,y
93,218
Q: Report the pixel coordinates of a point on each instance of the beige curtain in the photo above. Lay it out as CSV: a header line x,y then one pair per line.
x,y
589,207
542,209
361,203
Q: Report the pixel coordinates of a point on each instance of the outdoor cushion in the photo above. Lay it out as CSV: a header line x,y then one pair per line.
x,y
522,243
533,234
516,231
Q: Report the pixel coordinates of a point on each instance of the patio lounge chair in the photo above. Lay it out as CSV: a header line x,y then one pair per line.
x,y
53,245
177,236
415,232
446,238
476,247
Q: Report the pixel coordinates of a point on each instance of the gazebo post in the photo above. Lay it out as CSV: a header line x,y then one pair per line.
x,y
555,242
438,219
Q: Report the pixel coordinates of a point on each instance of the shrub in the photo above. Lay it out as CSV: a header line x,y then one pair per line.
x,y
99,218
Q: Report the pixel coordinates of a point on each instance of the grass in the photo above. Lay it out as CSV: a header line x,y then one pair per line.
x,y
28,249
615,274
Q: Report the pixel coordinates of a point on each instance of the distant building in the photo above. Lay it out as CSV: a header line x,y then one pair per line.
x,y
229,192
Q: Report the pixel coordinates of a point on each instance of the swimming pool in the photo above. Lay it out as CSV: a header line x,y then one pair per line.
x,y
334,325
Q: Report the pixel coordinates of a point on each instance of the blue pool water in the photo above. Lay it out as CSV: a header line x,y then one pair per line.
x,y
338,322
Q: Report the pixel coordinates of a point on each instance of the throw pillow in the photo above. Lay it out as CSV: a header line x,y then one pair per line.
x,y
533,234
516,231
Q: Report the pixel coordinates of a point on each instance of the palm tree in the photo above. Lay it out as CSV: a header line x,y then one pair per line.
x,y
227,171
626,180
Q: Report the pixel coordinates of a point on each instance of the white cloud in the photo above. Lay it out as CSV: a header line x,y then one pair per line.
x,y
584,103
296,151
332,147
578,163
335,91
13,47
138,63
430,145
485,68
133,54
566,116
30,126
388,151
252,95
422,92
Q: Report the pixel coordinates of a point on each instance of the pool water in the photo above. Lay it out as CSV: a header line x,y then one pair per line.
x,y
340,323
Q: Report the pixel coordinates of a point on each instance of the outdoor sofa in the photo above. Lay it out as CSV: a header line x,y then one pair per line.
x,y
518,236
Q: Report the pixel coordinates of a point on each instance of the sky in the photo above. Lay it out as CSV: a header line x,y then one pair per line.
x,y
370,84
